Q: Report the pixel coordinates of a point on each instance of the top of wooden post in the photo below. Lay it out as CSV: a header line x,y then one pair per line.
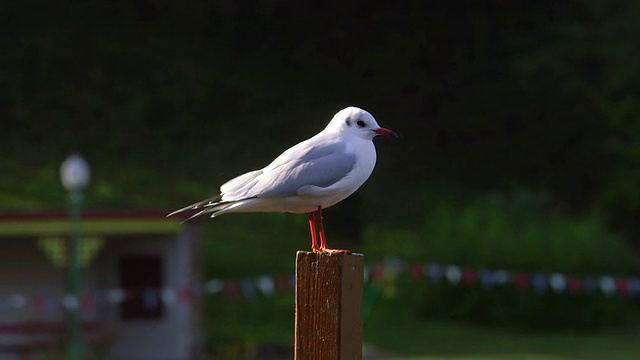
x,y
329,289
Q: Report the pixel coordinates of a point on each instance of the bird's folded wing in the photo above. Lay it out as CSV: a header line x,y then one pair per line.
x,y
237,184
320,166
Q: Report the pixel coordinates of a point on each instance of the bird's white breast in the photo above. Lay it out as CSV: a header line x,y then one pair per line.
x,y
365,153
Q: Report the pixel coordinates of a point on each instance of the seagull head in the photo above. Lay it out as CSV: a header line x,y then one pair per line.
x,y
358,122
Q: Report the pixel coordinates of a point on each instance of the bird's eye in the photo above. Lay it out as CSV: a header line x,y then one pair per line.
x,y
360,123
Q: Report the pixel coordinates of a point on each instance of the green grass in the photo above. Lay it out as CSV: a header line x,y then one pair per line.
x,y
430,341
485,357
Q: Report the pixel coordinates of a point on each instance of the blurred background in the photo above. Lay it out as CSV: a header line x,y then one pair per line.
x,y
504,224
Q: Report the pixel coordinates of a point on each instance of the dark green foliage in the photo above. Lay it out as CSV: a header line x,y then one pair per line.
x,y
488,95
520,233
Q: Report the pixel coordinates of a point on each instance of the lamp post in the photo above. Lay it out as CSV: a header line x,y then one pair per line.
x,y
74,174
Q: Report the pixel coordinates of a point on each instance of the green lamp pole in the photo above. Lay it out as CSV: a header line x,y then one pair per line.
x,y
74,174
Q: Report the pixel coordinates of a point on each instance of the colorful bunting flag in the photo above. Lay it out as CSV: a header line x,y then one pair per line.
x,y
115,296
268,285
168,296
70,302
521,282
501,277
539,283
634,286
150,299
231,289
574,284
248,288
186,295
435,272
607,285
469,277
214,286
558,283
416,271
486,279
589,284
623,286
377,273
282,283
453,274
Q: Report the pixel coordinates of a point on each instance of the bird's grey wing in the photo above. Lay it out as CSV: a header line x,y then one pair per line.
x,y
320,166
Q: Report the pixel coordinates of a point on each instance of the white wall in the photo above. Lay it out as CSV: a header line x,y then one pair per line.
x,y
25,270
170,337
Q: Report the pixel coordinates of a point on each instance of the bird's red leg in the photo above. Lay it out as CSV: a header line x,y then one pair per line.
x,y
312,227
323,240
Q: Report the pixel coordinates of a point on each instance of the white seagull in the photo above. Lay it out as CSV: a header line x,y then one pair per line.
x,y
310,176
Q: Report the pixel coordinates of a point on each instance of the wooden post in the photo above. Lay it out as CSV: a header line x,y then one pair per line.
x,y
328,306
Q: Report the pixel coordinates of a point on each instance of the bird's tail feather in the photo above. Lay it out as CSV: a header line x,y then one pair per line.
x,y
212,209
199,205
213,206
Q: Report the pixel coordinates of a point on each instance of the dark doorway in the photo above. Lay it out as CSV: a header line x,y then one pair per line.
x,y
141,279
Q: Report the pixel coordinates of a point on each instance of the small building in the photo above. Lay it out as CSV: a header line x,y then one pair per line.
x,y
139,274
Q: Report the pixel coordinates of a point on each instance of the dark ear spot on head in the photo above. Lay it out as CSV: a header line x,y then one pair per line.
x,y
348,122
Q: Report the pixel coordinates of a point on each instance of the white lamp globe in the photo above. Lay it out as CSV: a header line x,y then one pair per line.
x,y
74,173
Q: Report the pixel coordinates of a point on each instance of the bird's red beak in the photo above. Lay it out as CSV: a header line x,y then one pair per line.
x,y
385,132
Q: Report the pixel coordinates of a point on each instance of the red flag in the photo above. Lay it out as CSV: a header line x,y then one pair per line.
x,y
377,274
623,286
231,289
521,282
129,294
469,277
88,301
38,303
574,284
186,294
416,271
282,283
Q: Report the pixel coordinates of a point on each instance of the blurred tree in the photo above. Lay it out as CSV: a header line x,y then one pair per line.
x,y
592,57
489,95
